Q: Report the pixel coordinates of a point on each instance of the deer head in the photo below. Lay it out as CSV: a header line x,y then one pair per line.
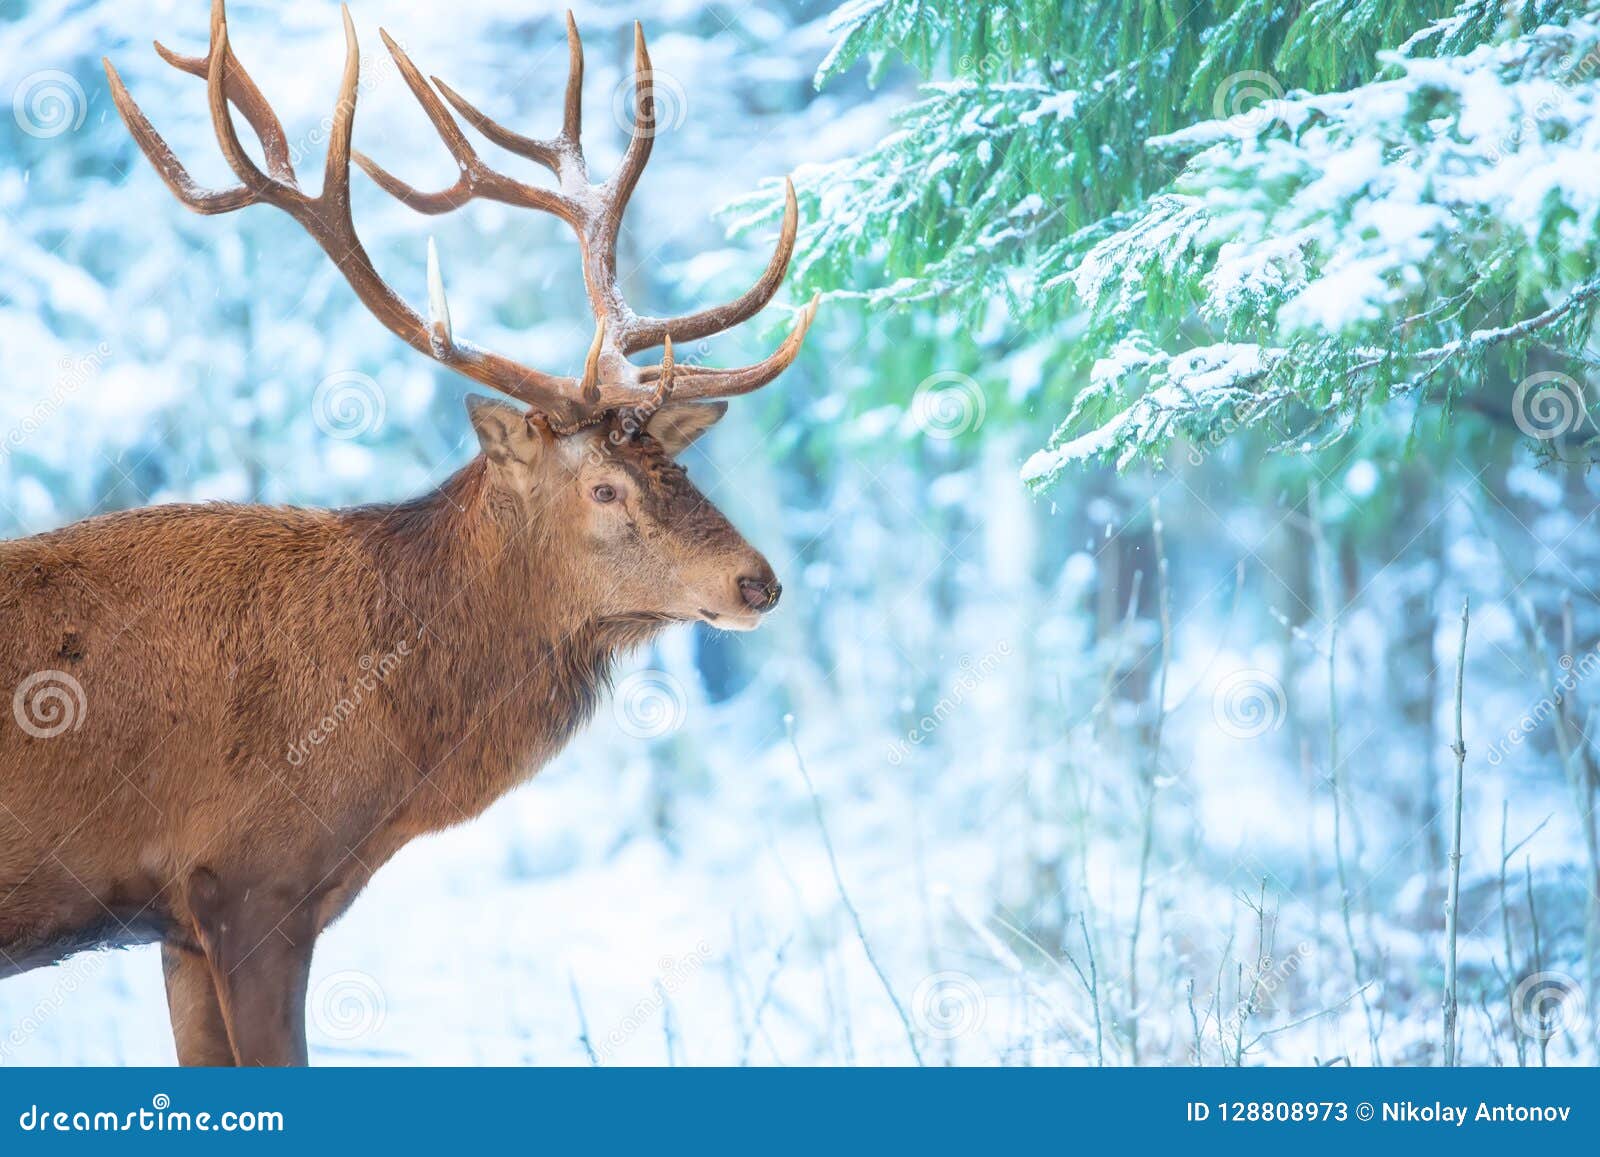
x,y
623,514
593,452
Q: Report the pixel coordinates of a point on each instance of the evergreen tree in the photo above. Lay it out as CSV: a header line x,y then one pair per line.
x,y
1246,217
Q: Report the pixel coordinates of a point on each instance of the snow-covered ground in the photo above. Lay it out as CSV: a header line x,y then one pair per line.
x,y
723,939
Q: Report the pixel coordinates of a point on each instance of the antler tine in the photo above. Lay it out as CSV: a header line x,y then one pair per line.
x,y
637,416
645,332
619,188
443,201
476,180
165,161
665,383
233,151
590,385
555,154
572,112
336,168
695,383
225,80
601,223
541,151
246,97
439,329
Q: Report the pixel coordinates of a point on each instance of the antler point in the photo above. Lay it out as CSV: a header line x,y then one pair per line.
x,y
439,326
591,363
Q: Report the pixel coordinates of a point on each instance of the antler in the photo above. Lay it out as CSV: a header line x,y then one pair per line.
x,y
594,211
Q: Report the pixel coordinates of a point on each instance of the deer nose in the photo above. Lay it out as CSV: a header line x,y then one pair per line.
x,y
760,594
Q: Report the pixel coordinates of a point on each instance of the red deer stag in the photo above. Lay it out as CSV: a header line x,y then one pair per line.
x,y
172,772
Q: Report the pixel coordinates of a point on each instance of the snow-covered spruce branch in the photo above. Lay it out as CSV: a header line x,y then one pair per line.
x,y
1231,385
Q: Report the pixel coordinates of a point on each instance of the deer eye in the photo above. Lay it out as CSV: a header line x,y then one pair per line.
x,y
604,493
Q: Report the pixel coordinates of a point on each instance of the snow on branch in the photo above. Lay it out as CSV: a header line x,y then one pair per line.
x,y
1380,233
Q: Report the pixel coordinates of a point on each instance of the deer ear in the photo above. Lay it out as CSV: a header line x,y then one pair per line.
x,y
504,431
677,424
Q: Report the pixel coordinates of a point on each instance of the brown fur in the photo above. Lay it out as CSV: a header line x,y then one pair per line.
x,y
455,642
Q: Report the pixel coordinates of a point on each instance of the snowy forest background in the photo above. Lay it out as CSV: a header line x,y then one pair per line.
x,y
1180,375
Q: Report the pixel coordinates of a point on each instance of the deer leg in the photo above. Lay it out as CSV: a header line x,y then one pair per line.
x,y
258,946
197,1025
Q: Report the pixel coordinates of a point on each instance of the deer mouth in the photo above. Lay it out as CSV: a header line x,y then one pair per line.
x,y
729,621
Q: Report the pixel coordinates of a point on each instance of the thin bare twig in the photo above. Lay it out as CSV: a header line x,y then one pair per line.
x,y
1335,788
844,895
1452,907
764,1000
583,1021
1148,786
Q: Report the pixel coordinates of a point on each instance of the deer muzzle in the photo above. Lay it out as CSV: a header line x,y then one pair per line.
x,y
761,593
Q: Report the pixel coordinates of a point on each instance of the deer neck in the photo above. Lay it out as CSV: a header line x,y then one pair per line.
x,y
510,659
